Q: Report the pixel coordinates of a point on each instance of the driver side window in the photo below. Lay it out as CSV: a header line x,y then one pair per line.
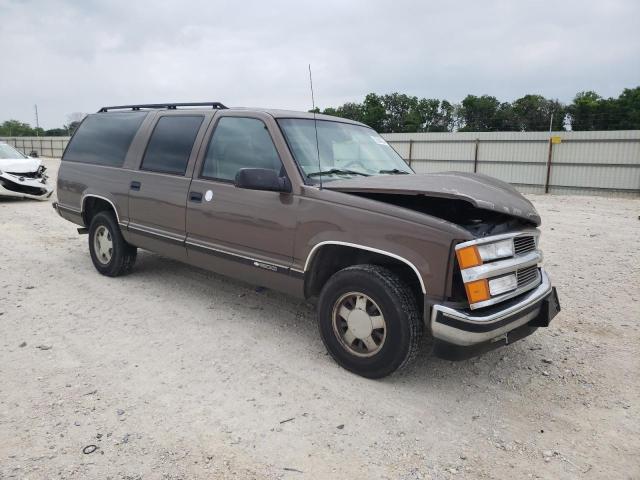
x,y
237,143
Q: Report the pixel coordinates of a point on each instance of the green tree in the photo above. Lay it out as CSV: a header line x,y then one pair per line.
x,y
533,113
352,111
478,114
401,113
15,128
585,111
56,132
373,112
505,119
628,110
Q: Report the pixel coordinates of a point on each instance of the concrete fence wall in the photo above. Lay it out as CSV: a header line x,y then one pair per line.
x,y
593,163
43,146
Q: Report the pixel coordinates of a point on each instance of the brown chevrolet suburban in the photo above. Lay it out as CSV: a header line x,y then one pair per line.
x,y
317,207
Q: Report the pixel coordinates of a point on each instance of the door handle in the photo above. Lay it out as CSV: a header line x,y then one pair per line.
x,y
195,197
135,186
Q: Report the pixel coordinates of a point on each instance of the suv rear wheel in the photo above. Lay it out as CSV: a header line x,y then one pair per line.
x,y
369,320
110,253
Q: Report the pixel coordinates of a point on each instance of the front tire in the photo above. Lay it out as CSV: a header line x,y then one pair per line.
x,y
111,254
369,320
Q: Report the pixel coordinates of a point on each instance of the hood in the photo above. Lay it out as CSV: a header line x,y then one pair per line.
x,y
19,165
481,191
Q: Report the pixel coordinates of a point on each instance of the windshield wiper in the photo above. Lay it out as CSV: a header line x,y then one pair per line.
x,y
394,171
337,171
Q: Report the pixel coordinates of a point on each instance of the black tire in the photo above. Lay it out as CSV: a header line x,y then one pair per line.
x,y
123,255
396,302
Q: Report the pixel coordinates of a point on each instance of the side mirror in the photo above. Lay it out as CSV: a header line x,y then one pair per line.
x,y
262,179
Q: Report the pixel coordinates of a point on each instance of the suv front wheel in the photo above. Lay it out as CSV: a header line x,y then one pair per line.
x,y
110,252
369,320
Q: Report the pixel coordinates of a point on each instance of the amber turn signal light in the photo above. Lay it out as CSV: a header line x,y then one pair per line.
x,y
477,291
469,257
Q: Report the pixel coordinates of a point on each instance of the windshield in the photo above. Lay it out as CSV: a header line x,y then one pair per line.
x,y
345,150
8,152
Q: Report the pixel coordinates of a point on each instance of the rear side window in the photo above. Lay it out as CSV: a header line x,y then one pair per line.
x,y
171,143
104,138
237,143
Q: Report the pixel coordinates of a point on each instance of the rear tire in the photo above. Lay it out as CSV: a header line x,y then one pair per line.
x,y
369,320
111,254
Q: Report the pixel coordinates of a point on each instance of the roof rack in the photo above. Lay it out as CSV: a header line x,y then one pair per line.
x,y
170,106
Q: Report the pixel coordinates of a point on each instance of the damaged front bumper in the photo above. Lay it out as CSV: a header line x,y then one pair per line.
x,y
464,333
18,185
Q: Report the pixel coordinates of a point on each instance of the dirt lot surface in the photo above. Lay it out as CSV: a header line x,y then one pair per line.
x,y
173,372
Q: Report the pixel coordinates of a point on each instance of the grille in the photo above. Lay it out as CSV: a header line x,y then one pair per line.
x,y
524,245
527,275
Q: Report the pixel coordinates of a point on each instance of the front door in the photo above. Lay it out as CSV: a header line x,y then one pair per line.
x,y
243,233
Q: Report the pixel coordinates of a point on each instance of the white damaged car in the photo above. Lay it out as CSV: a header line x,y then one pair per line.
x,y
22,176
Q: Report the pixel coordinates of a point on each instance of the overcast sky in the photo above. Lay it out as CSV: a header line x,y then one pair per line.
x,y
76,56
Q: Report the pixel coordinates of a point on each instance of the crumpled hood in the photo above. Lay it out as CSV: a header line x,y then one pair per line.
x,y
19,165
481,191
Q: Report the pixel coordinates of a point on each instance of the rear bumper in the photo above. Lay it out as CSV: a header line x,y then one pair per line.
x,y
465,328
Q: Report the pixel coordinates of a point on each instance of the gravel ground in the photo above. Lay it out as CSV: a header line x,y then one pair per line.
x,y
174,372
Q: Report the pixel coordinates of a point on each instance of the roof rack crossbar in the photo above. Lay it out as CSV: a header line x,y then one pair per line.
x,y
170,106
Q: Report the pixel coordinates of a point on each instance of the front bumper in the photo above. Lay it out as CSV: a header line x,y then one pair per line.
x,y
17,186
465,328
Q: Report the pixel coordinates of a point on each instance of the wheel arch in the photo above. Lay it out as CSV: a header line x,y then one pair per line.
x,y
93,204
327,257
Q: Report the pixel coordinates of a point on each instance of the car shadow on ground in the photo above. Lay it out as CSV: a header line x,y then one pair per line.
x,y
163,273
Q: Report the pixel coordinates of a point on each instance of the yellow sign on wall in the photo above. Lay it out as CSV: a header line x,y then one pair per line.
x,y
556,139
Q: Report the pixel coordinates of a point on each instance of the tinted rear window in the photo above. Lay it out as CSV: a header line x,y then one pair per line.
x,y
171,143
104,138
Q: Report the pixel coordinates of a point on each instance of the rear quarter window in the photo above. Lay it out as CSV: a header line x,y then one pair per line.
x,y
104,138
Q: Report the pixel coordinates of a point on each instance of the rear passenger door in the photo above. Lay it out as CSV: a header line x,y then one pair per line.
x,y
158,189
239,232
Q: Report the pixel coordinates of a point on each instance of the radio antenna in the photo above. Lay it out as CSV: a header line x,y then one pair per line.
x,y
315,126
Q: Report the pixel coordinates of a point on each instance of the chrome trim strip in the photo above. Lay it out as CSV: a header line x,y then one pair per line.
x,y
256,262
87,195
459,337
59,206
499,267
139,228
496,238
363,247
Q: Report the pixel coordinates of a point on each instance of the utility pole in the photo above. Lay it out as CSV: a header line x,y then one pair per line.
x,y
37,122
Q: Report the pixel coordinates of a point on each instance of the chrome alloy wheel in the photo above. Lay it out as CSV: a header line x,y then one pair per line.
x,y
103,244
359,324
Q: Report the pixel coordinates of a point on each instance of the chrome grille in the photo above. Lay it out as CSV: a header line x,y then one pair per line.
x,y
524,244
527,275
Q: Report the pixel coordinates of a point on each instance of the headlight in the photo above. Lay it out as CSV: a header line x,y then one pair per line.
x,y
493,251
503,284
475,255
